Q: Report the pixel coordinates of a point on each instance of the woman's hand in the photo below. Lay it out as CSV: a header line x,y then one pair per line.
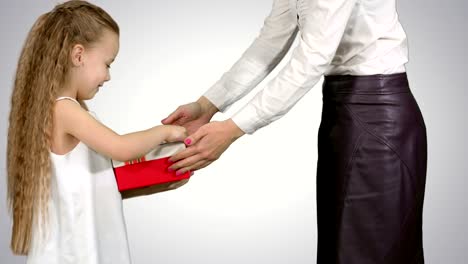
x,y
205,146
192,115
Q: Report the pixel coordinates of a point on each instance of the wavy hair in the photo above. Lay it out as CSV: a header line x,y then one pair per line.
x,y
41,72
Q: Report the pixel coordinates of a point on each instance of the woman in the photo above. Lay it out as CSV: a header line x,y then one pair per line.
x,y
372,139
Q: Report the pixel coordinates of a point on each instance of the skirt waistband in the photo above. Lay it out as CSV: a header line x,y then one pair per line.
x,y
366,84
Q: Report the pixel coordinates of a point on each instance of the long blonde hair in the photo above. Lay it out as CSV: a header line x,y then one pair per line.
x,y
41,72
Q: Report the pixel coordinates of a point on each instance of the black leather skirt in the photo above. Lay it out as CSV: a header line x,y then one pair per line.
x,y
371,172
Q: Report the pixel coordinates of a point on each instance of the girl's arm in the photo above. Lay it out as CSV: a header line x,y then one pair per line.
x,y
77,122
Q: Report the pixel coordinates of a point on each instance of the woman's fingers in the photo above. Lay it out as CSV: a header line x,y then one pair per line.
x,y
198,165
205,146
188,152
184,114
194,138
188,164
170,119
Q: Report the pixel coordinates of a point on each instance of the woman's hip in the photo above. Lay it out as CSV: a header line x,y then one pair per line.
x,y
372,155
379,105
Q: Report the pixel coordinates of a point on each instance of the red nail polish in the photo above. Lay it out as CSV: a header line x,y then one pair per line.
x,y
188,141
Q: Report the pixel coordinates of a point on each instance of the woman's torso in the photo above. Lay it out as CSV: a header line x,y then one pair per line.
x,y
374,41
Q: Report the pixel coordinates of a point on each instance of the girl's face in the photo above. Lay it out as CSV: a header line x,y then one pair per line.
x,y
93,71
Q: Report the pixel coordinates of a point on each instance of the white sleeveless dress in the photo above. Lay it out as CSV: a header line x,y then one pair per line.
x,y
85,223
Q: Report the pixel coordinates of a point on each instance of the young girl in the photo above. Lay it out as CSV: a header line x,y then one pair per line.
x,y
62,194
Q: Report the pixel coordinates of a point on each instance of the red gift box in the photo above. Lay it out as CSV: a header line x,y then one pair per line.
x,y
149,174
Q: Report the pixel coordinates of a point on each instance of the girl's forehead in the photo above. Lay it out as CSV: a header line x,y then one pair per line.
x,y
109,42
109,38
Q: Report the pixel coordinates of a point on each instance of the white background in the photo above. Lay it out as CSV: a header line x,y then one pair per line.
x,y
257,203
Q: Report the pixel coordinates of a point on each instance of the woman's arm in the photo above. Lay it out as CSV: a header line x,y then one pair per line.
x,y
322,31
323,26
77,122
273,42
263,55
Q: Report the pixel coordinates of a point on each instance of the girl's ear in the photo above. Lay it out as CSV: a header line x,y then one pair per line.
x,y
77,55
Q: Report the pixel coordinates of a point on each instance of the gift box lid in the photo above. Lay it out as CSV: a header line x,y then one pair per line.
x,y
165,150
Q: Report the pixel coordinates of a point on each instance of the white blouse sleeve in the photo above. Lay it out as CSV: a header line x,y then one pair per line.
x,y
275,39
321,32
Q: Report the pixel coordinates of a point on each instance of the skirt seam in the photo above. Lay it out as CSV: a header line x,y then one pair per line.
x,y
361,124
353,155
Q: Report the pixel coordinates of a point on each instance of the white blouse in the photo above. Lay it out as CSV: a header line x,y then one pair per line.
x,y
352,37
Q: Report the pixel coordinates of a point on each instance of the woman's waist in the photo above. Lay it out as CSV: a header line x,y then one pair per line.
x,y
373,84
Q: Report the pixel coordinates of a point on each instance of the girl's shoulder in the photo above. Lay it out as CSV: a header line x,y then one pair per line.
x,y
67,98
67,107
65,110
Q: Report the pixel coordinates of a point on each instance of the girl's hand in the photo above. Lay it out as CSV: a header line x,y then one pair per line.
x,y
175,133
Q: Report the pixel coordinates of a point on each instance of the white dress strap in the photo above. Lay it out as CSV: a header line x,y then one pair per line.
x,y
67,98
